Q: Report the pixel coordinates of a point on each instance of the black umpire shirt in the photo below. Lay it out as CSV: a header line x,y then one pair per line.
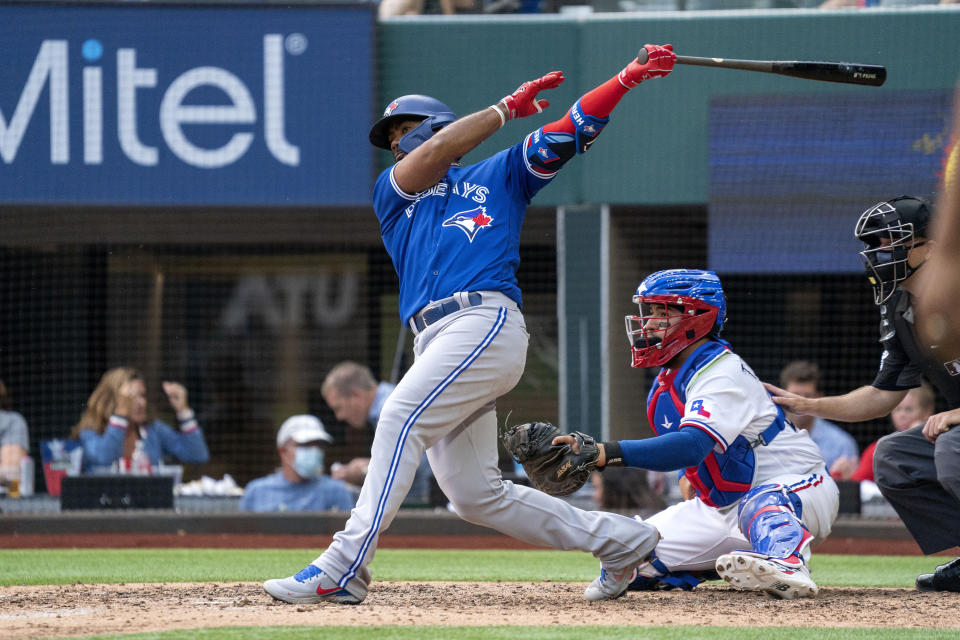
x,y
905,361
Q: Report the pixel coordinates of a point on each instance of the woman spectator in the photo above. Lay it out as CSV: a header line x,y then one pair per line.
x,y
14,439
116,419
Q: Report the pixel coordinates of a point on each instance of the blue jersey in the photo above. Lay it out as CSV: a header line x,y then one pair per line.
x,y
276,493
463,233
160,439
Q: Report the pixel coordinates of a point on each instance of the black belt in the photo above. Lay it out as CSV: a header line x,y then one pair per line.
x,y
442,308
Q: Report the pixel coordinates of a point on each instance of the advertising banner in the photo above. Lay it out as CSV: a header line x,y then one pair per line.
x,y
157,105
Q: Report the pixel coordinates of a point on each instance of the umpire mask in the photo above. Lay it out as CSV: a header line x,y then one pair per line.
x,y
889,230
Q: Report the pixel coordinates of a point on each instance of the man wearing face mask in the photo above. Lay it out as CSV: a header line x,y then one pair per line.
x,y
917,470
299,484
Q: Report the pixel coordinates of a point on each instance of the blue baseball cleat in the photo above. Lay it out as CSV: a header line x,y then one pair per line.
x,y
311,585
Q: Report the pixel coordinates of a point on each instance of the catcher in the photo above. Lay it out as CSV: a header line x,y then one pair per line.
x,y
758,491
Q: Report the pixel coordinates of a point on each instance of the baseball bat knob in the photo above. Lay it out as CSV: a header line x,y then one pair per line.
x,y
642,55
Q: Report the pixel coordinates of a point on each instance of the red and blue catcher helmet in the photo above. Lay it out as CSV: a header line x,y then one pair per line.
x,y
434,116
693,294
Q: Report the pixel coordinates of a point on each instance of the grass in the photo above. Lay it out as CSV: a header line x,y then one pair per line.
x,y
65,566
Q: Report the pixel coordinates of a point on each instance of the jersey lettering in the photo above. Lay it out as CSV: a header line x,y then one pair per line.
x,y
439,189
476,192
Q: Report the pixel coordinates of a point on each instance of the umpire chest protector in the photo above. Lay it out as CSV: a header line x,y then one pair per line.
x,y
722,478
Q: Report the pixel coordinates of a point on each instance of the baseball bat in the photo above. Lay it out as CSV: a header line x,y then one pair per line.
x,y
846,72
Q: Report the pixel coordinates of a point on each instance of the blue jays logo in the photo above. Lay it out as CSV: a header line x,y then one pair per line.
x,y
390,107
470,222
589,129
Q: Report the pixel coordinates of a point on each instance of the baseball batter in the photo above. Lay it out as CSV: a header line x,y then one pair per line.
x,y
761,493
453,234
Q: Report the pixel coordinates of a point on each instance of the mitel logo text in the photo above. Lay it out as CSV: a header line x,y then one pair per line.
x,y
237,110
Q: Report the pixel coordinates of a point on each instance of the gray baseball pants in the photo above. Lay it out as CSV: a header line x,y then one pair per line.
x,y
922,482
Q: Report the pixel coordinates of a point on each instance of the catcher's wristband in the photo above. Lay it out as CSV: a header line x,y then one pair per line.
x,y
614,455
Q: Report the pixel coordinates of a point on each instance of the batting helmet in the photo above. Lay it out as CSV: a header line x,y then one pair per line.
x,y
434,115
888,231
677,308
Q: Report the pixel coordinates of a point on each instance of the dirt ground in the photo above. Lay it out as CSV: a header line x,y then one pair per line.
x,y
80,609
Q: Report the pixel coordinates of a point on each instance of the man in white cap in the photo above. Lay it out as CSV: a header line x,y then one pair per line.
x,y
299,484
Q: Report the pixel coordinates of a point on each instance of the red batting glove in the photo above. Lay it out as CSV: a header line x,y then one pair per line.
x,y
523,102
659,63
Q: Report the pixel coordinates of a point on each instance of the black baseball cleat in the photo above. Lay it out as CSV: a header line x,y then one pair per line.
x,y
945,578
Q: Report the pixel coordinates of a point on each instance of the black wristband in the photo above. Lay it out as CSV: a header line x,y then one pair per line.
x,y
614,455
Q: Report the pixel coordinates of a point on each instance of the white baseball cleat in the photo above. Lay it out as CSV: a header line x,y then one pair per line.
x,y
610,585
311,585
785,578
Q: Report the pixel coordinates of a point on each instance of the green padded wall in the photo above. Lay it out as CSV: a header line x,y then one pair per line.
x,y
655,149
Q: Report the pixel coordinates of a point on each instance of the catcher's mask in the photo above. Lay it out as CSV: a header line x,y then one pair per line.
x,y
433,114
677,308
888,231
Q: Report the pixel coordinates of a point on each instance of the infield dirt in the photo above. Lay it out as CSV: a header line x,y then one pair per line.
x,y
82,609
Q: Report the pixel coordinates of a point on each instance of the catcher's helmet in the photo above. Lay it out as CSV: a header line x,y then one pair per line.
x,y
901,222
702,311
434,115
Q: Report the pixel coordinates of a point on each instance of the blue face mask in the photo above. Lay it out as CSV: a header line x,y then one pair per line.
x,y
308,462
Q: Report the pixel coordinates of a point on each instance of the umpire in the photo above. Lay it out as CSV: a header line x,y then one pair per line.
x,y
917,470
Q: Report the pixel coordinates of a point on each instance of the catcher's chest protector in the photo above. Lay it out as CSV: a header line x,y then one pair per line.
x,y
722,478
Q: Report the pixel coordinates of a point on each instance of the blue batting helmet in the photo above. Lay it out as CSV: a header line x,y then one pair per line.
x,y
660,332
434,115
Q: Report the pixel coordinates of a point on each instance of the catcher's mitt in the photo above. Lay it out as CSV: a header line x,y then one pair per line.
x,y
552,468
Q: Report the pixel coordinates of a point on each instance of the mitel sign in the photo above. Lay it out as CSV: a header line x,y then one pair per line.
x,y
179,105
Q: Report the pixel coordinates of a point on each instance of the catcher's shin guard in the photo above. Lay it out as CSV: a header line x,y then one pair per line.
x,y
769,517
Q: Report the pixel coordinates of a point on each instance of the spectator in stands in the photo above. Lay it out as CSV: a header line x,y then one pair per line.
x,y
116,419
913,411
390,8
802,377
625,489
355,397
299,484
860,4
14,439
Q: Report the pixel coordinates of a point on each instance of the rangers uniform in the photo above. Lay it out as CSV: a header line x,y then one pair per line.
x,y
761,489
716,392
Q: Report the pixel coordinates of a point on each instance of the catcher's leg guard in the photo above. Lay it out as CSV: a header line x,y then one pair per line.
x,y
769,517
